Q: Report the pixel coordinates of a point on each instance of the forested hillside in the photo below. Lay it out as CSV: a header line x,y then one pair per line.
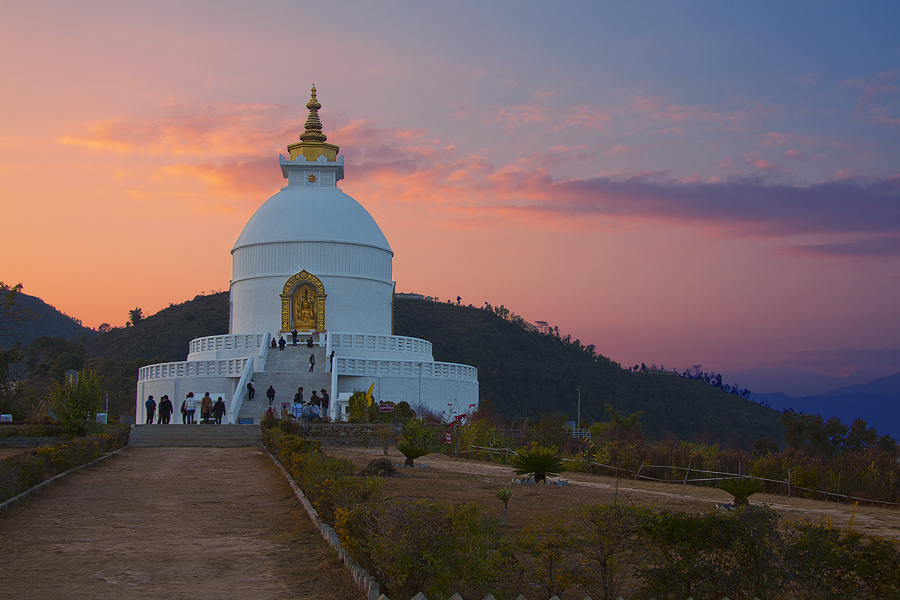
x,y
523,373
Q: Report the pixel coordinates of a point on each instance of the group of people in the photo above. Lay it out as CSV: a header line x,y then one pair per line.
x,y
208,409
314,409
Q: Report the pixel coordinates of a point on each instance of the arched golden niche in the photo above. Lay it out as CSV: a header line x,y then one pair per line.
x,y
303,303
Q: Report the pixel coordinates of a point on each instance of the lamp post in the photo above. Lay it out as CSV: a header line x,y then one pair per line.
x,y
420,384
578,423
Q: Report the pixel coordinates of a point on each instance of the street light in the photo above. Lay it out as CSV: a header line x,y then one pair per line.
x,y
420,385
578,423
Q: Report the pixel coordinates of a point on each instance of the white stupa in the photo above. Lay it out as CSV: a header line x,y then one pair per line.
x,y
310,260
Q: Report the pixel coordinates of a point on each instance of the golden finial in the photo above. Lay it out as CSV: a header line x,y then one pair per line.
x,y
313,125
312,141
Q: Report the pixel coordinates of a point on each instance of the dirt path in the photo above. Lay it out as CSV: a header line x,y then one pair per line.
x,y
440,477
150,523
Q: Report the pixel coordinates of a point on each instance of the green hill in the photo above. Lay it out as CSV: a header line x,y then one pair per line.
x,y
522,372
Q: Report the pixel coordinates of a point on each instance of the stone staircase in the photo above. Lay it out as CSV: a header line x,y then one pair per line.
x,y
286,371
203,435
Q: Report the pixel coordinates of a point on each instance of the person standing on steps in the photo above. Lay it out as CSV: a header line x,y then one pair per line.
x,y
281,342
190,407
294,335
270,394
251,391
312,362
165,410
316,406
298,397
324,401
151,409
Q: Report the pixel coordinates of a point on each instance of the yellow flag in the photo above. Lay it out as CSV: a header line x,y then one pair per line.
x,y
369,395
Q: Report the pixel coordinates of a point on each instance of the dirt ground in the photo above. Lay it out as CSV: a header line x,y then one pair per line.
x,y
7,452
216,523
459,480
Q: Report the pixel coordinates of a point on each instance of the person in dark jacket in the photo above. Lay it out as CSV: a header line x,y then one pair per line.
x,y
219,410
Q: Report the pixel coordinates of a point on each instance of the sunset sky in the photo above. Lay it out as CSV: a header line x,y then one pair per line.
x,y
678,183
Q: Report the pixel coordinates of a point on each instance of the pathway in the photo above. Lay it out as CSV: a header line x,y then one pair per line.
x,y
171,523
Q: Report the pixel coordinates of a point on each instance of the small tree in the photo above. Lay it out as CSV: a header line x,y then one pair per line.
x,y
74,404
503,495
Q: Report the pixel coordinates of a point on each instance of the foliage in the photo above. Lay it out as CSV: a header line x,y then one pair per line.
x,y
75,404
612,544
362,409
548,431
503,495
411,449
23,471
524,372
741,488
538,462
428,547
548,553
831,564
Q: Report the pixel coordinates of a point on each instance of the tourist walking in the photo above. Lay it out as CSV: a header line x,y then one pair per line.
x,y
270,394
151,409
219,410
251,391
206,407
312,362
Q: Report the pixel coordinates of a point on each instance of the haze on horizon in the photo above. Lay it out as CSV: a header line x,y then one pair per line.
x,y
677,184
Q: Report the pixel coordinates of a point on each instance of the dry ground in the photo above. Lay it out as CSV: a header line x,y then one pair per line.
x,y
196,523
7,452
459,480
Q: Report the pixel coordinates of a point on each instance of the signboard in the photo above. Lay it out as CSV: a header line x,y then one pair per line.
x,y
101,418
245,420
385,407
447,437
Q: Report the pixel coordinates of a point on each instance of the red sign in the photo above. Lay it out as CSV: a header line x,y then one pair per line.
x,y
385,407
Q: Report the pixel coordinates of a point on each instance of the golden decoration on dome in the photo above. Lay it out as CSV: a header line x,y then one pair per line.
x,y
311,179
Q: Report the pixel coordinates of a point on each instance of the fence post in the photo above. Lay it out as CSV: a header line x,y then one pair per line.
x,y
789,483
688,474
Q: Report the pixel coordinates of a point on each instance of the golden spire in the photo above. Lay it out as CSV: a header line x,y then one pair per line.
x,y
313,131
312,141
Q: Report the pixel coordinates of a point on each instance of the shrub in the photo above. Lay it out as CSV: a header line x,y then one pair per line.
x,y
548,554
612,544
428,547
76,404
411,450
539,462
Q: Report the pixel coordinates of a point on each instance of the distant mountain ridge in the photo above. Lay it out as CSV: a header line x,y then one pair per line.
x,y
876,402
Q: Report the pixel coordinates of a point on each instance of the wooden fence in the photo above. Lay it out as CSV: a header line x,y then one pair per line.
x,y
701,476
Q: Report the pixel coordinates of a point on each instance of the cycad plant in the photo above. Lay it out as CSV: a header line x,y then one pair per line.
x,y
503,495
538,462
411,449
741,488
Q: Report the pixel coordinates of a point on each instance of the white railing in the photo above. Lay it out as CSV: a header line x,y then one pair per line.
x,y
240,392
238,341
364,341
230,367
436,370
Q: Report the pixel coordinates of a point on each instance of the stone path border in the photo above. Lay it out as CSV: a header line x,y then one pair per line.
x,y
8,503
360,576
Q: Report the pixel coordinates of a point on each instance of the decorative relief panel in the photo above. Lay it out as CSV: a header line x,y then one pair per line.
x,y
303,303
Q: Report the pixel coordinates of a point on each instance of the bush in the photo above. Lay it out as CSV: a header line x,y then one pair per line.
x,y
23,471
75,404
429,547
741,488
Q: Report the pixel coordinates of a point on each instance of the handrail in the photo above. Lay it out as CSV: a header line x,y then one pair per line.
x,y
435,370
237,399
227,367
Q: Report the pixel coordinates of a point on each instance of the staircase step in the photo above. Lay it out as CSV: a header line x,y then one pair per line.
x,y
203,435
